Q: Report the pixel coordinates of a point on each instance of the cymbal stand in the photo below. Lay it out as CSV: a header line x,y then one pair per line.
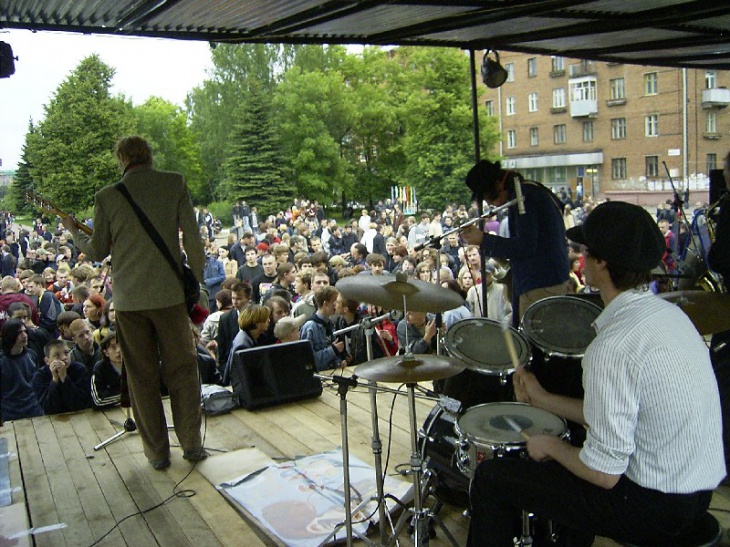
x,y
343,385
420,517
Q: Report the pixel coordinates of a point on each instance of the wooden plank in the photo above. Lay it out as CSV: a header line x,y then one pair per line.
x,y
36,482
112,486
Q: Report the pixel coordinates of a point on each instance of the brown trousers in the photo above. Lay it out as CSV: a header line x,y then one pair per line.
x,y
530,297
158,345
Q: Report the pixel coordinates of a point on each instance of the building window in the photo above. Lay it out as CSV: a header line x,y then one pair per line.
x,y
559,133
618,90
511,138
490,107
534,136
558,64
711,126
710,79
650,83
651,125
532,107
532,67
652,166
511,105
559,97
618,128
583,91
588,131
618,168
510,68
711,162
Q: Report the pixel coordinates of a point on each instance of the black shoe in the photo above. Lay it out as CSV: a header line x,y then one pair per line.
x,y
195,455
160,465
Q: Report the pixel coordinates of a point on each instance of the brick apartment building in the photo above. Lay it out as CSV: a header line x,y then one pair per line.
x,y
607,128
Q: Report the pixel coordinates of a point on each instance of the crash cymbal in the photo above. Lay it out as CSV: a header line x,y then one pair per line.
x,y
708,311
387,291
410,369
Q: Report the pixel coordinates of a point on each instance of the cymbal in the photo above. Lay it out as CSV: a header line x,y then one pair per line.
x,y
387,291
410,369
708,311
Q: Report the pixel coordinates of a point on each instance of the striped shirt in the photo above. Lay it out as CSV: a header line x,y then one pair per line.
x,y
651,398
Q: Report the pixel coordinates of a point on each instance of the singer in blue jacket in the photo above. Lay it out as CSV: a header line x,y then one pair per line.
x,y
536,246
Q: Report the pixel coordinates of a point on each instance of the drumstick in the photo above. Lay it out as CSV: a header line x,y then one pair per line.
x,y
510,345
514,425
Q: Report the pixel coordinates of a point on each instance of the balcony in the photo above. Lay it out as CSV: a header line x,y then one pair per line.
x,y
718,97
587,108
584,68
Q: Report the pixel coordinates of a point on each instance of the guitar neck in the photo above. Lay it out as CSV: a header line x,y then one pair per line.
x,y
47,206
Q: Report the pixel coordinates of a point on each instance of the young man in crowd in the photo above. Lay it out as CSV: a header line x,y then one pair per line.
x,y
62,385
328,352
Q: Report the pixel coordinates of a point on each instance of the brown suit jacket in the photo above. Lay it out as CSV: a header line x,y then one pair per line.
x,y
143,279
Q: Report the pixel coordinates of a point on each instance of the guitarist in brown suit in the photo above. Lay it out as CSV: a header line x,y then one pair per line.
x,y
152,322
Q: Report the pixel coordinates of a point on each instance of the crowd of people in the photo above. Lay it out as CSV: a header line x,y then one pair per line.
x,y
68,325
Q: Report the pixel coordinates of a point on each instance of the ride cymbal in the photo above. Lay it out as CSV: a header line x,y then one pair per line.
x,y
708,311
410,369
387,291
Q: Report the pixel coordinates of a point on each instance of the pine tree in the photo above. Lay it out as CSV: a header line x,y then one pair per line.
x,y
23,181
253,170
72,158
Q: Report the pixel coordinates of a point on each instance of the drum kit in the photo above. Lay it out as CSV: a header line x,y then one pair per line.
x,y
449,446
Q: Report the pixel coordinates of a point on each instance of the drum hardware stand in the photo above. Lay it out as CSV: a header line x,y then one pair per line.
x,y
375,443
343,385
421,517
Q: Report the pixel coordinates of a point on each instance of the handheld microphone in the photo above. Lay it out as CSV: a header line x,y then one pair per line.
x,y
520,197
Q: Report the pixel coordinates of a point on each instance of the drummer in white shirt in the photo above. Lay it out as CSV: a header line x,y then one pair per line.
x,y
653,453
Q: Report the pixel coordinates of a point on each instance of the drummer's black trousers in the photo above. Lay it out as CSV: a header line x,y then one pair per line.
x,y
503,487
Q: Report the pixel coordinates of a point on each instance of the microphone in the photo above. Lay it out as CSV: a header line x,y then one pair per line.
x,y
520,197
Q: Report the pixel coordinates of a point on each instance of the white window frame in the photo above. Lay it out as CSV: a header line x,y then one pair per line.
x,y
618,129
652,166
510,68
489,105
710,79
588,134
532,102
511,138
560,133
651,125
618,89
559,97
510,108
651,83
711,122
534,136
532,67
618,168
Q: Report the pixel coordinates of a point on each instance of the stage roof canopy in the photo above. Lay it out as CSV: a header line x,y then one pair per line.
x,y
653,32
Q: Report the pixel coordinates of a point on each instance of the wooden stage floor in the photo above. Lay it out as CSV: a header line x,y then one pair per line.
x,y
69,494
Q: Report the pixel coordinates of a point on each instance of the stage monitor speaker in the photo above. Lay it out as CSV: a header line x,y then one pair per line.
x,y
717,184
275,374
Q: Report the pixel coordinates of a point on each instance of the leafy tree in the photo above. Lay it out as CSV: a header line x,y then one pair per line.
x,y
236,68
72,156
253,170
437,117
23,181
315,114
165,126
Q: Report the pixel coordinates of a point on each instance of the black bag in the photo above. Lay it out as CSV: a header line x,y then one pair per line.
x,y
191,287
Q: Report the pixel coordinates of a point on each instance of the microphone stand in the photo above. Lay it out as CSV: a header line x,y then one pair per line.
x,y
127,427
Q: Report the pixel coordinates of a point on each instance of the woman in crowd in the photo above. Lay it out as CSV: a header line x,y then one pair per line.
x,y
107,374
107,322
253,322
93,309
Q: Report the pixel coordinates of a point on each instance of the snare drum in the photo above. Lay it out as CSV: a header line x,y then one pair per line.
x,y
479,343
484,433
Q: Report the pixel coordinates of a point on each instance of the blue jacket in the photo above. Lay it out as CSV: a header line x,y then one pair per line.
x,y
214,273
537,248
17,397
317,332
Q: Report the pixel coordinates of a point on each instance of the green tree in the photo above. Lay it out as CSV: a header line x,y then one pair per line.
x,y
236,67
253,169
23,181
315,115
72,157
436,113
165,126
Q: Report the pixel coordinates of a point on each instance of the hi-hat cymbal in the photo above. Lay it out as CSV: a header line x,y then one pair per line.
x,y
708,311
410,369
387,291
